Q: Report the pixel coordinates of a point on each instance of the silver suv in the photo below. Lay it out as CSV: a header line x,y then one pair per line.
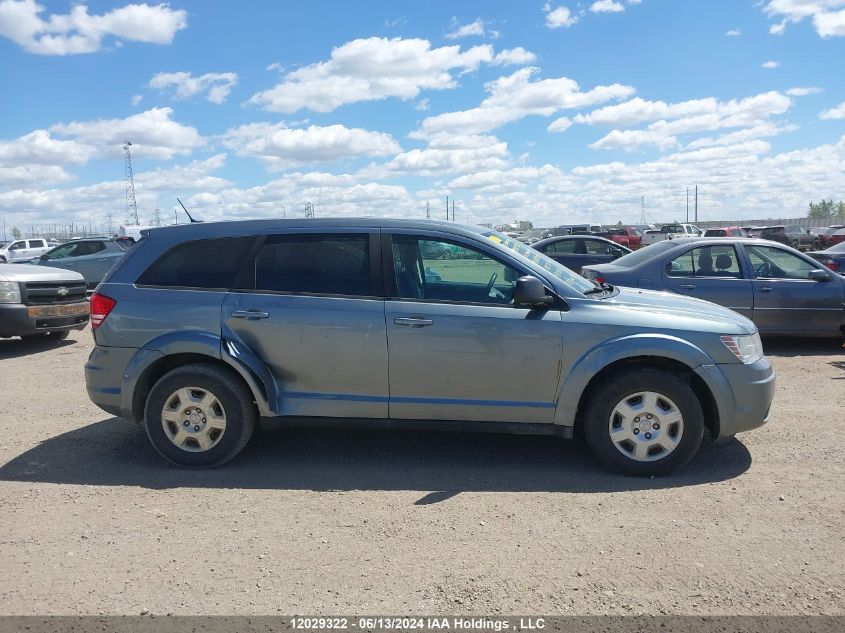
x,y
204,329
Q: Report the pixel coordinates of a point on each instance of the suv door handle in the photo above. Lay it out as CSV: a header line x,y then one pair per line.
x,y
413,321
688,286
765,288
250,314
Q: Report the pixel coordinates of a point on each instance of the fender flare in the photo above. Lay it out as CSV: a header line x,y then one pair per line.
x,y
201,343
585,368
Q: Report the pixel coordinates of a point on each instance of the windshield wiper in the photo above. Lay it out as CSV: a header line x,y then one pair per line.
x,y
600,287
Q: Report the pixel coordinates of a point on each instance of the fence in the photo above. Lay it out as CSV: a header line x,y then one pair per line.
x,y
807,222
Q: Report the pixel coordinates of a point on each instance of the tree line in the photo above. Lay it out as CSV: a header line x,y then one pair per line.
x,y
827,209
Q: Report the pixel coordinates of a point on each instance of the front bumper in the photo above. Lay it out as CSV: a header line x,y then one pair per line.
x,y
743,394
16,320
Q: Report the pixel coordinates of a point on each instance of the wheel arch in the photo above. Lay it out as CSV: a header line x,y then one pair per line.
x,y
660,351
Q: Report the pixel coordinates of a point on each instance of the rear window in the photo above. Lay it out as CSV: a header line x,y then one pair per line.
x,y
332,264
635,257
772,231
199,264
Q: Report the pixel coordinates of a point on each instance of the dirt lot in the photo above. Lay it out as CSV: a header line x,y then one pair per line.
x,y
328,522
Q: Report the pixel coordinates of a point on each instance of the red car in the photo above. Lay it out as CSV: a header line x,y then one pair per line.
x,y
826,235
627,236
726,231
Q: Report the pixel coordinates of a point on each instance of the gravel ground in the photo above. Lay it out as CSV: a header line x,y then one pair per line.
x,y
330,522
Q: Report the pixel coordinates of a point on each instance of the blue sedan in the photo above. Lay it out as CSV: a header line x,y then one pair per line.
x,y
783,291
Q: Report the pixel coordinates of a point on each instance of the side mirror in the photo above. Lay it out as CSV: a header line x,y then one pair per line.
x,y
818,275
529,291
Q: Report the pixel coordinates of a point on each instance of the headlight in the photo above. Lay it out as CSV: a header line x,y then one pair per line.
x,y
748,349
10,292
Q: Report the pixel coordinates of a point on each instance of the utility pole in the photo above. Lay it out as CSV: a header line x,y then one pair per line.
x,y
447,208
427,212
131,204
642,211
687,205
696,204
110,225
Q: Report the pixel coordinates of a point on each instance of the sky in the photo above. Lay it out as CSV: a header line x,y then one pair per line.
x,y
553,112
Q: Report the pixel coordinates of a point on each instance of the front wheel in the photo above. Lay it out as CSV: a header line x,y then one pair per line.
x,y
643,423
199,415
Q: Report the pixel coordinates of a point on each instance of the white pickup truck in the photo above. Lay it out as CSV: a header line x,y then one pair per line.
x,y
23,250
671,232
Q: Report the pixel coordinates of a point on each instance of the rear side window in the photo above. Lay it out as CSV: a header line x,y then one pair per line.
x,y
199,264
332,264
37,244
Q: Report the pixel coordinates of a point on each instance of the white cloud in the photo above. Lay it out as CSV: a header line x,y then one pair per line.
x,y
280,147
422,105
560,125
275,66
607,6
37,158
153,134
803,92
514,97
837,112
371,69
513,57
466,30
558,17
770,65
688,117
80,32
184,85
733,33
136,99
828,16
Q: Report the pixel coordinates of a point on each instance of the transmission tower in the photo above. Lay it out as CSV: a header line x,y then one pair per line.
x,y
309,210
131,205
157,217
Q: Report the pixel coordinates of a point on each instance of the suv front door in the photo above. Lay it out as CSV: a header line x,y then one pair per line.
x,y
458,348
310,306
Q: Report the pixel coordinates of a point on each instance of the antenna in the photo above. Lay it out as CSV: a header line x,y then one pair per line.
x,y
131,204
186,211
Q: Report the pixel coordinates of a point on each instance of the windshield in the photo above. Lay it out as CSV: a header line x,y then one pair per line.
x,y
635,257
838,248
526,252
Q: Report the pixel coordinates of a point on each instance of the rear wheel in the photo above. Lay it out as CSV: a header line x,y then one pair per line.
x,y
647,422
199,415
796,244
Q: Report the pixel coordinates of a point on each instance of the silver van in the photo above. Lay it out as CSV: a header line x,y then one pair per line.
x,y
203,330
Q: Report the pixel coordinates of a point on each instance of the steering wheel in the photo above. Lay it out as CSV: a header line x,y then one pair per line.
x,y
763,270
492,281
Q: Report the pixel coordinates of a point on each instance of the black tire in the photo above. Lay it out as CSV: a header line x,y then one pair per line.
x,y
233,395
613,391
796,245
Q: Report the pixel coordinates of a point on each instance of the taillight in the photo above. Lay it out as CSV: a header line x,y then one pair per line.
x,y
101,305
831,264
599,280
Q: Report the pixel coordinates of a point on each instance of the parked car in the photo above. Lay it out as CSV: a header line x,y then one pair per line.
x,y
23,250
575,251
833,257
752,231
205,328
727,231
91,256
39,303
830,235
670,232
628,236
781,289
798,237
575,229
534,235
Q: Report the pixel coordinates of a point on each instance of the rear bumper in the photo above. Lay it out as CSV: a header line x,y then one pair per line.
x,y
743,394
15,320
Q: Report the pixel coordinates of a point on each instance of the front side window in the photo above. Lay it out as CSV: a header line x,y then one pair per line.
x,y
17,246
770,262
60,252
436,270
322,264
199,264
596,247
706,261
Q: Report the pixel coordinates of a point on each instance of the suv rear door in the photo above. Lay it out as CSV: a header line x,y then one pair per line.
x,y
311,308
458,349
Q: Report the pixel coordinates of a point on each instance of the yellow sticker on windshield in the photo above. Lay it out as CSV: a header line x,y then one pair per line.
x,y
495,238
